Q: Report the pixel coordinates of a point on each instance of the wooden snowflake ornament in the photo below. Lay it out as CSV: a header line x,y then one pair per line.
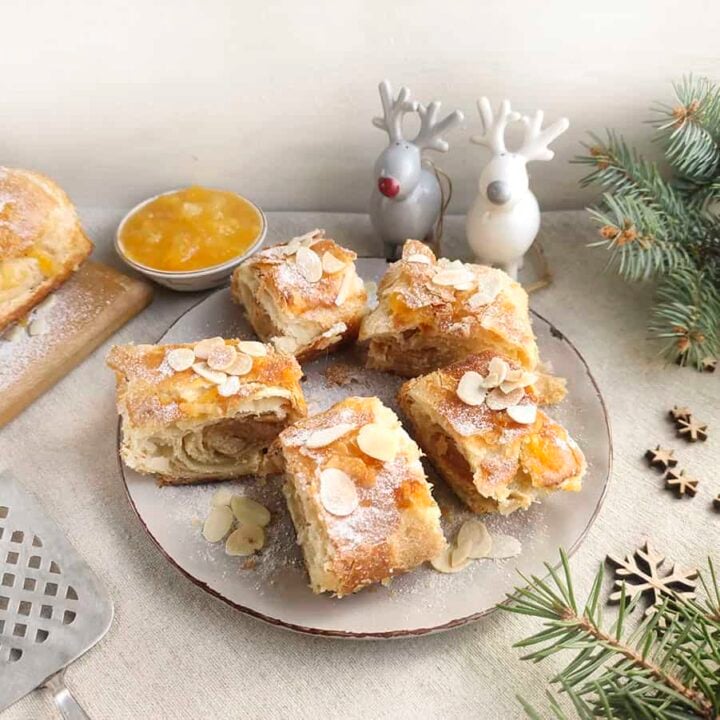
x,y
679,413
661,458
692,430
641,574
680,483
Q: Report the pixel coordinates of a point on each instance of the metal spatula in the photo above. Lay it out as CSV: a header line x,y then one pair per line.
x,y
52,607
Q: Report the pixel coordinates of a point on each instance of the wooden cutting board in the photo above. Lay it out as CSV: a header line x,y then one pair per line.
x,y
86,311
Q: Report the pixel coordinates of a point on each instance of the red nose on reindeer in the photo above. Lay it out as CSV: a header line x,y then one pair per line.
x,y
388,186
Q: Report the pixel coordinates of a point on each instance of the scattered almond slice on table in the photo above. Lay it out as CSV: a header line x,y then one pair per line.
x,y
249,511
443,562
221,497
241,517
244,541
218,523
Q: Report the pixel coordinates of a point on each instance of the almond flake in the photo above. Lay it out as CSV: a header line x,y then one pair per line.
x,y
338,493
285,344
205,347
523,414
345,287
252,348
290,248
378,442
15,333
504,546
443,562
217,524
248,511
230,387
453,277
244,541
222,498
460,554
517,379
488,289
331,264
308,264
221,358
310,238
498,400
470,390
38,326
180,359
476,535
214,376
242,365
418,258
325,436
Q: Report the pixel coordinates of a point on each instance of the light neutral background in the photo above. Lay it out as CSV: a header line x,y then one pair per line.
x,y
119,99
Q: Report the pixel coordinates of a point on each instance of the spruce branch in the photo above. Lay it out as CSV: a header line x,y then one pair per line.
x,y
667,667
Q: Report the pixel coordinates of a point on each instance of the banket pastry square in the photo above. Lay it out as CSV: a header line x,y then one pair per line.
x,y
304,296
203,411
41,241
352,479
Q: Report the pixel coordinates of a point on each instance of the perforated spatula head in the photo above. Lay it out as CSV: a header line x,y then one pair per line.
x,y
52,606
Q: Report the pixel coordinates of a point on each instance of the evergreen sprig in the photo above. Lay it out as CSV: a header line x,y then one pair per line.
x,y
668,229
666,668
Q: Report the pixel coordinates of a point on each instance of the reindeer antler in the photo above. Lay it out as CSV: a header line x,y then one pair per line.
x,y
536,140
393,110
493,135
430,130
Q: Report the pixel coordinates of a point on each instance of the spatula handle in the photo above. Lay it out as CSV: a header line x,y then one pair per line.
x,y
64,701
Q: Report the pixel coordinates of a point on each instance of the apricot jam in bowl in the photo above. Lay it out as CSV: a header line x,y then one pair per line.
x,y
190,239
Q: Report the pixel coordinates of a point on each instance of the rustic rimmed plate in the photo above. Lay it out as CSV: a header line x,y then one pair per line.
x,y
273,586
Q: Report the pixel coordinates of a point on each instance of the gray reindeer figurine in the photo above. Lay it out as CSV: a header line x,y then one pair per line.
x,y
407,198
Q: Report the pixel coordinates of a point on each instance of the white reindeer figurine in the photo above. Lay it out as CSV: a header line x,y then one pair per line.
x,y
505,217
406,200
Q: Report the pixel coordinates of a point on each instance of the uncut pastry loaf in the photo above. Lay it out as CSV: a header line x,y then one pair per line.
x,y
41,241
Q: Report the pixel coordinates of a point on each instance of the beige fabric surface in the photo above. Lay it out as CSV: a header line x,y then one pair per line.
x,y
175,652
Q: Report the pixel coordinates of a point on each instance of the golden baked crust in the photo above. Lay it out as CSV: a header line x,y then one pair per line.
x,y
41,241
396,524
301,317
178,426
492,462
420,325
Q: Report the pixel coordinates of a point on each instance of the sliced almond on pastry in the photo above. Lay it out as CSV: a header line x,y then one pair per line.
x,y
241,365
180,359
244,541
523,414
498,400
443,562
331,264
221,358
497,372
325,436
230,387
205,347
285,344
378,442
459,278
248,511
418,258
214,376
504,546
217,524
489,288
308,264
470,389
338,493
252,348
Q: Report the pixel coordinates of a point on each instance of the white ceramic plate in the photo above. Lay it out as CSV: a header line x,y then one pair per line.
x,y
275,589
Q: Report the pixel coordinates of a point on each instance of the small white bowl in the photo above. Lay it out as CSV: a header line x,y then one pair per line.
x,y
190,280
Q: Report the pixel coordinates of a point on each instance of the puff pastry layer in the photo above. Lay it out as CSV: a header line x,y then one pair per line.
x,y
393,524
180,427
41,241
492,462
433,312
305,296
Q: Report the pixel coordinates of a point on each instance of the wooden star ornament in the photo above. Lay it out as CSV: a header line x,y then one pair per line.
x,y
680,483
692,430
661,458
640,573
679,412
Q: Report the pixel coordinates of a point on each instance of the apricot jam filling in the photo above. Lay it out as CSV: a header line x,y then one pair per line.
x,y
191,229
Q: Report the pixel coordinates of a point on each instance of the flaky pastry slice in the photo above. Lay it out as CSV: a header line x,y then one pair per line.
x,y
304,296
358,496
203,411
41,241
433,312
479,424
